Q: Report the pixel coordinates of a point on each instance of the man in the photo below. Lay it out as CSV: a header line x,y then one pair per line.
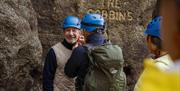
x,y
156,80
54,78
78,64
154,42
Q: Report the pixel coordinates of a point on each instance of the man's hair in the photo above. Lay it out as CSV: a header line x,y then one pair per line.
x,y
156,41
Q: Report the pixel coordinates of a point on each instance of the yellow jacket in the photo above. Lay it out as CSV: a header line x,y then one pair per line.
x,y
154,79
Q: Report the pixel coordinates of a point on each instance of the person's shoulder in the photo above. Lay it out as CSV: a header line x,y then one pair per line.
x,y
164,60
57,44
79,49
51,50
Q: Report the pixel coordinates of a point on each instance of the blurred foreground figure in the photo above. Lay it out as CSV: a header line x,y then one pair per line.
x,y
169,80
154,44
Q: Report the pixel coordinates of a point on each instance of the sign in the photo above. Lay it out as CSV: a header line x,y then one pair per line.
x,y
112,12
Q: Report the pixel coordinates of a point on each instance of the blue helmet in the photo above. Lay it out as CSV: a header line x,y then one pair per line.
x,y
71,21
153,27
91,22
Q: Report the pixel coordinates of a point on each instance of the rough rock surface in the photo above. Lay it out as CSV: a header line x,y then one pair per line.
x,y
20,48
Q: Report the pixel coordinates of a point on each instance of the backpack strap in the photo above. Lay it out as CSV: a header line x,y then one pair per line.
x,y
89,48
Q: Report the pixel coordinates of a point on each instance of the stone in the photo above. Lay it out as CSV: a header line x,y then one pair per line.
x,y
20,47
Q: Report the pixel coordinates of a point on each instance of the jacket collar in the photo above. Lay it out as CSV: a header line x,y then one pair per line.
x,y
68,45
97,39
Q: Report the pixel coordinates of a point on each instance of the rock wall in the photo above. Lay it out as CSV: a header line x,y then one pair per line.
x,y
20,47
28,28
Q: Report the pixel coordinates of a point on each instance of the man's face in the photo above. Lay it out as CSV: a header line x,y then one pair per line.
x,y
153,48
72,35
171,27
150,45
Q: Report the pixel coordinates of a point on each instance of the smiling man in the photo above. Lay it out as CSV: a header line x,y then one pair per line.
x,y
53,72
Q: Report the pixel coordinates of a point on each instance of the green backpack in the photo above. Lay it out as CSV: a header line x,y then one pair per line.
x,y
106,69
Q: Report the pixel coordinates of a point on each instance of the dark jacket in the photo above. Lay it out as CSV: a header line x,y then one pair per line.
x,y
50,66
77,65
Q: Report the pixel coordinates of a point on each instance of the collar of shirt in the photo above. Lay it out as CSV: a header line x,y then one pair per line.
x,y
96,38
175,67
67,45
